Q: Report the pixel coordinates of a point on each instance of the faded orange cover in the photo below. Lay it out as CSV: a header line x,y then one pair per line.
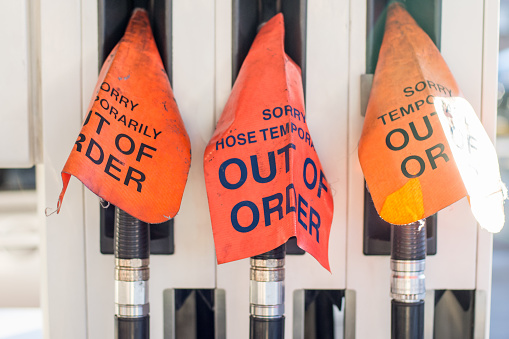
x,y
133,149
264,180
418,149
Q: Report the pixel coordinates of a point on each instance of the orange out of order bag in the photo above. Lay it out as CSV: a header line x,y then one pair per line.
x,y
422,146
264,179
133,149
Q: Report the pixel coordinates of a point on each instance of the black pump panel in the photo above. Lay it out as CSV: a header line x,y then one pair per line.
x,y
247,14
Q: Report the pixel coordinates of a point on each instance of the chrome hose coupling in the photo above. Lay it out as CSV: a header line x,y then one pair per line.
x,y
267,288
267,284
408,261
131,287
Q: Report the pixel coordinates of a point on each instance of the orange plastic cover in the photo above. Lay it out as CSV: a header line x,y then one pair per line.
x,y
133,149
422,146
264,180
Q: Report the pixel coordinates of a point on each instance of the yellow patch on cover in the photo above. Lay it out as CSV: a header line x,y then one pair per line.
x,y
405,205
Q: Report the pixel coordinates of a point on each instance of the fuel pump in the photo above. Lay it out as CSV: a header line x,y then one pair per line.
x,y
435,153
141,147
201,38
264,180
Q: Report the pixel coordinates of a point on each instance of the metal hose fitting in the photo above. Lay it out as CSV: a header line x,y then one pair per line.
x,y
267,285
408,260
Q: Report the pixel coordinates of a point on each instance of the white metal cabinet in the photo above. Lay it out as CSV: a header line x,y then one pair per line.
x,y
19,84
78,280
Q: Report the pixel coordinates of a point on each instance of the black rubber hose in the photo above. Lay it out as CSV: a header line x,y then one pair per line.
x,y
132,328
277,253
266,328
132,237
408,241
407,320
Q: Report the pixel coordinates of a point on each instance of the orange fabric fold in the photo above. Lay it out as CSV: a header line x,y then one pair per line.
x,y
264,180
422,147
133,149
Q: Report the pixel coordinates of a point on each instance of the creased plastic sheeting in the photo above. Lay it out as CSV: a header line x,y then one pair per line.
x,y
416,146
264,179
133,149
